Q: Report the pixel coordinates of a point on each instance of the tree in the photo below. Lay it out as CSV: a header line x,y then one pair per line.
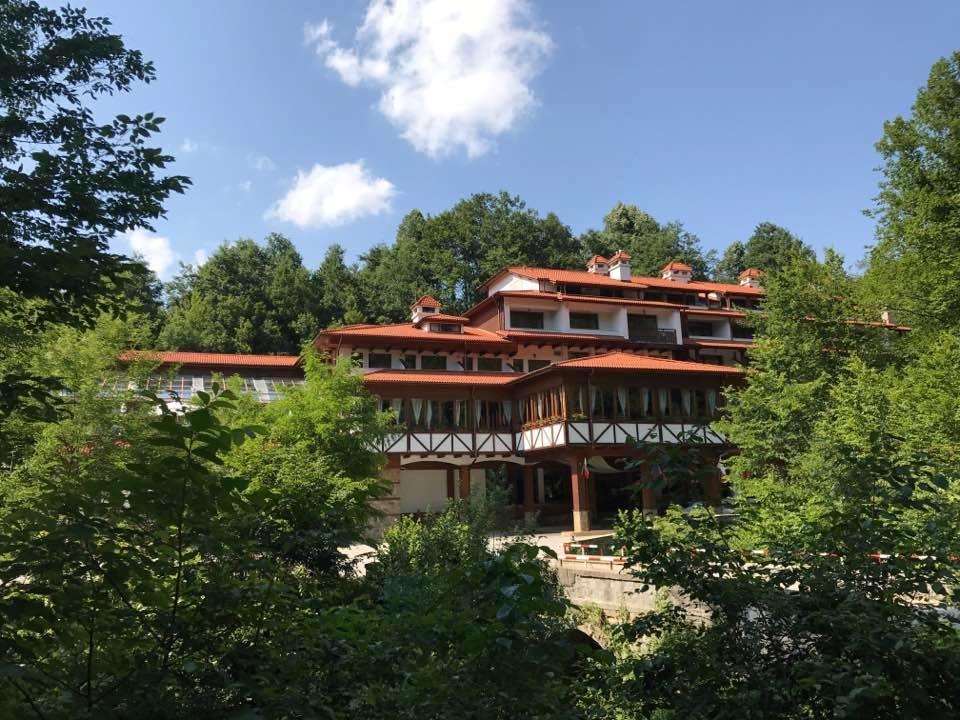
x,y
450,254
69,184
336,284
650,243
770,248
245,298
914,267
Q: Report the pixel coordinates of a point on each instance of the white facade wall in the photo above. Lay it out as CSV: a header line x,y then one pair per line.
x,y
513,282
423,490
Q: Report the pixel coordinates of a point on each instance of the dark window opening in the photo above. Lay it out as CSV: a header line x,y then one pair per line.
x,y
380,360
584,321
409,362
698,327
525,319
433,362
489,364
537,364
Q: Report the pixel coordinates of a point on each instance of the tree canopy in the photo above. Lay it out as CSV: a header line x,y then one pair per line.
x,y
770,248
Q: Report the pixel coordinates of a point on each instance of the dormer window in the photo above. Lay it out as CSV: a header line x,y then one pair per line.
x,y
677,272
424,306
446,327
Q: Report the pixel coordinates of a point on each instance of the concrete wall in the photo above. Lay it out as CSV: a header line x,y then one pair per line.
x,y
610,590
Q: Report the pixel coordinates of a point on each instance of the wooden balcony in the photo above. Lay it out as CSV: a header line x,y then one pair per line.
x,y
651,335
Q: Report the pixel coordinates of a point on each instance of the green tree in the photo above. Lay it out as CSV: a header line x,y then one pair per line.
x,y
450,254
245,298
68,183
650,243
915,265
770,248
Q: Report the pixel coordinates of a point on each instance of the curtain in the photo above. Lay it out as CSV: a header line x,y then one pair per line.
x,y
508,410
429,413
456,413
523,410
417,405
645,401
662,397
540,406
711,402
597,401
478,410
622,400
685,401
397,405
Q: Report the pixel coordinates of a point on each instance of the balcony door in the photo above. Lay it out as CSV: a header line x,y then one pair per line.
x,y
643,327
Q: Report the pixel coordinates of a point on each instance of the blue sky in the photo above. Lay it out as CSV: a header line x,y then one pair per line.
x,y
720,115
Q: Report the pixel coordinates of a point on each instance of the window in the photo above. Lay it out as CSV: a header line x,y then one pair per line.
x,y
537,364
584,321
425,309
467,363
741,332
409,362
433,362
489,364
525,319
700,327
379,360
574,355
711,359
446,327
638,398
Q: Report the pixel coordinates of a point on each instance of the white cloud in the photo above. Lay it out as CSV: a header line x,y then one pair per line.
x,y
262,163
453,74
246,186
200,257
189,146
154,249
333,195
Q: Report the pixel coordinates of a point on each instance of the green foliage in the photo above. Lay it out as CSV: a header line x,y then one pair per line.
x,y
770,248
915,265
69,184
450,254
651,244
245,299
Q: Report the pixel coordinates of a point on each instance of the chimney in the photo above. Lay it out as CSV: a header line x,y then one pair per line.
x,y
887,317
598,265
751,277
426,305
620,266
677,272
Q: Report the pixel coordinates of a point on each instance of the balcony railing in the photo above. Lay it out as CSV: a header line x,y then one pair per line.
x,y
658,335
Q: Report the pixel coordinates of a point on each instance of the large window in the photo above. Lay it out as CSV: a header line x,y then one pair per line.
x,y
700,327
409,362
489,364
536,364
584,321
526,319
379,360
741,332
433,362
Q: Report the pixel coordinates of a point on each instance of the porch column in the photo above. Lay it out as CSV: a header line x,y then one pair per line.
x,y
451,494
529,499
464,482
712,483
581,496
649,492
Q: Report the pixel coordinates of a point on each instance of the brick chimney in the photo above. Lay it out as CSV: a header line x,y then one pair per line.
x,y
751,277
677,271
598,265
620,266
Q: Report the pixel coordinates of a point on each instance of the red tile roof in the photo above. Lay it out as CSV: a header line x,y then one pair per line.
x,y
644,363
719,312
581,277
440,317
428,301
167,357
439,377
751,273
408,331
683,267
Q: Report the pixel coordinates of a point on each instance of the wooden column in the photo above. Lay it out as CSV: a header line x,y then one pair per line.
x,y
649,492
464,482
581,496
451,490
712,482
529,496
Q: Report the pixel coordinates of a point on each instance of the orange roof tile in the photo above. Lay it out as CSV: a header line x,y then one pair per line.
x,y
439,377
675,265
582,277
427,300
440,317
644,363
733,344
622,255
408,331
167,357
597,259
713,311
751,273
